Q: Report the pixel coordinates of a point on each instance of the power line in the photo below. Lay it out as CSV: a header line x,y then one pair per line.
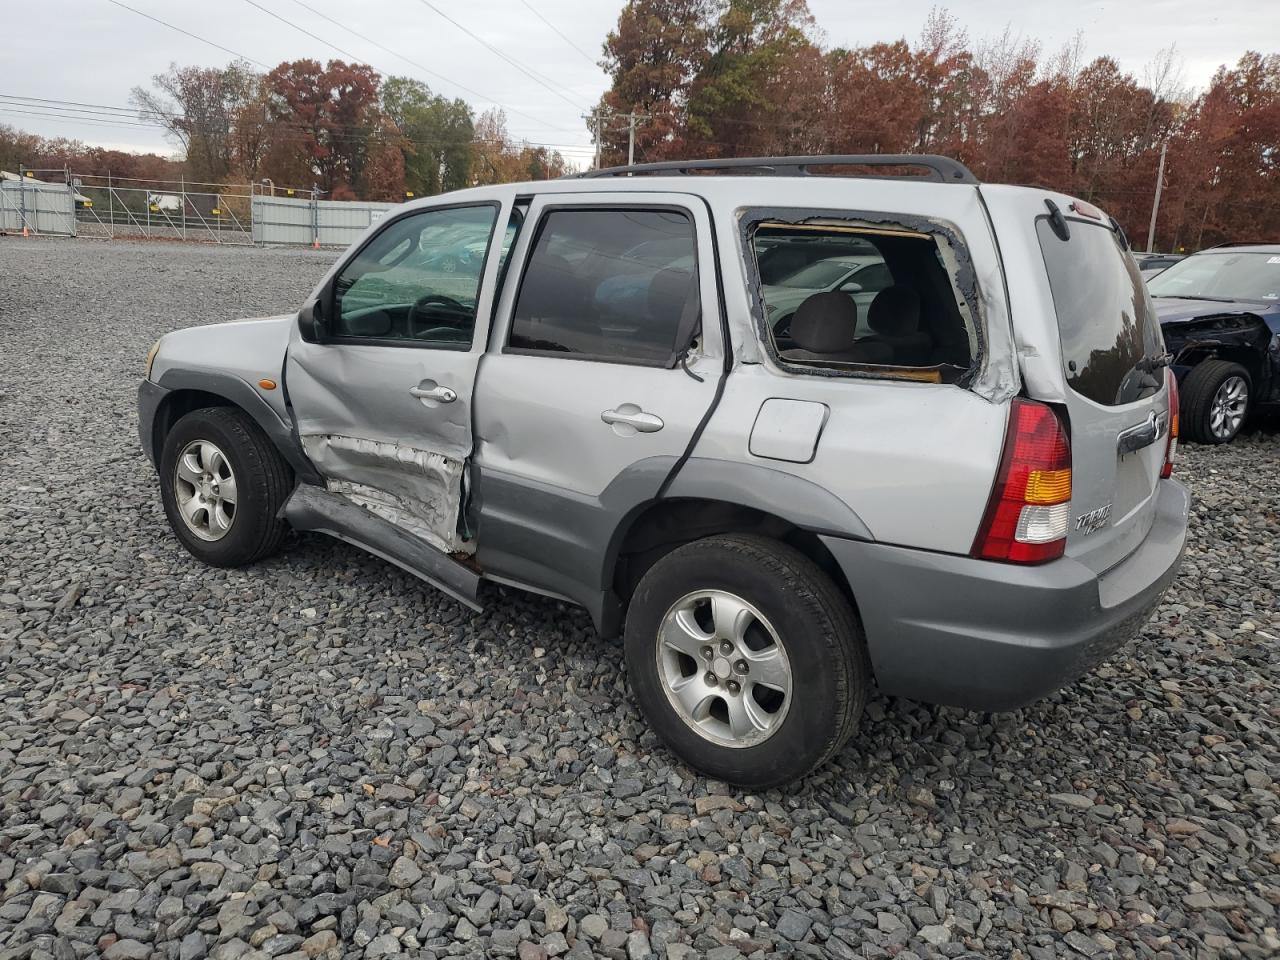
x,y
560,34
99,114
167,118
351,56
304,30
188,33
428,70
527,71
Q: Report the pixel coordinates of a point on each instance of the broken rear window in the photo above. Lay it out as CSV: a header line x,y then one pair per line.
x,y
847,296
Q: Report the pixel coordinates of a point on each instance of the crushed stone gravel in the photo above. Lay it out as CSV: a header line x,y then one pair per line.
x,y
322,757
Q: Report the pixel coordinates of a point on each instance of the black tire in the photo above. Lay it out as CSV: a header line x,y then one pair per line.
x,y
817,628
263,482
1199,387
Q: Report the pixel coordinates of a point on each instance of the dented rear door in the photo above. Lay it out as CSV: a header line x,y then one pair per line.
x,y
382,402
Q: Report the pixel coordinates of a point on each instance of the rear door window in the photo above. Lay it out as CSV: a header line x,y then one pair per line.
x,y
614,285
1106,323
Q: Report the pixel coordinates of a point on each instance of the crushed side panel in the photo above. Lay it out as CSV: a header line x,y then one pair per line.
x,y
417,490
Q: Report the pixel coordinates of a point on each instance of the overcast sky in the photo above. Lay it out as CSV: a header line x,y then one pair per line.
x,y
94,52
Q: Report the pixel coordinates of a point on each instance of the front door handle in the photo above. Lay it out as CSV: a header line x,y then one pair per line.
x,y
437,393
627,420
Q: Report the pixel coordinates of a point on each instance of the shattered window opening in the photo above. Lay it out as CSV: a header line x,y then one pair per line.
x,y
858,298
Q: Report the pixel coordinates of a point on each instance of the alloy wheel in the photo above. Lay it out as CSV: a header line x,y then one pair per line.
x,y
204,488
724,668
1229,406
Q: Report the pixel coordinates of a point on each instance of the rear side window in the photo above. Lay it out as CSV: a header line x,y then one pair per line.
x,y
841,296
614,285
1105,320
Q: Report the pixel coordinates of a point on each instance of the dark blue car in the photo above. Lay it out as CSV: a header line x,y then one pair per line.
x,y
1220,313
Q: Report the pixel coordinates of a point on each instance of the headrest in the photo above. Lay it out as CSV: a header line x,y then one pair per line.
x,y
825,322
550,288
895,312
670,291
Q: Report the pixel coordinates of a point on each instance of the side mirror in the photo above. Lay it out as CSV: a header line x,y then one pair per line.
x,y
851,286
311,321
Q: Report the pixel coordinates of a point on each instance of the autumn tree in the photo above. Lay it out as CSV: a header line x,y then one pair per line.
x,y
652,57
202,109
437,135
327,116
496,158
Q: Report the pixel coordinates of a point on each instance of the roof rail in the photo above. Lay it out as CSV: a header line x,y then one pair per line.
x,y
941,169
1243,243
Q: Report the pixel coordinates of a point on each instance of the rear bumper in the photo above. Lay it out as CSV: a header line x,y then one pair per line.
x,y
990,636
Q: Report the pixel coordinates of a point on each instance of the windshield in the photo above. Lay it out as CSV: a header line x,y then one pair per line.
x,y
816,276
1221,276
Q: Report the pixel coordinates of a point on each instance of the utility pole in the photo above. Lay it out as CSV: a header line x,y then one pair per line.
x,y
1155,206
596,120
631,135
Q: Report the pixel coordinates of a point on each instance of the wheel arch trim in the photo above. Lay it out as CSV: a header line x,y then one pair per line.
x,y
175,382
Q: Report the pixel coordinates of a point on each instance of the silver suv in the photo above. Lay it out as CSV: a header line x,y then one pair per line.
x,y
672,398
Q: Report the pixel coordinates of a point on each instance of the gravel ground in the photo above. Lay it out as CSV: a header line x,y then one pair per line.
x,y
320,756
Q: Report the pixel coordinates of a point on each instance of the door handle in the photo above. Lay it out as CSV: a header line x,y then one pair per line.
x,y
628,415
439,394
1142,435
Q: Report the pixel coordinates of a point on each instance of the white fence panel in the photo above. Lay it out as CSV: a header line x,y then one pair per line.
x,y
48,208
332,223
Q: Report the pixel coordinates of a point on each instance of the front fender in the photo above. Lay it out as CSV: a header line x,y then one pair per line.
x,y
161,402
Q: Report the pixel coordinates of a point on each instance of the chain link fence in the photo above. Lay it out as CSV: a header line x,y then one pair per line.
x,y
106,207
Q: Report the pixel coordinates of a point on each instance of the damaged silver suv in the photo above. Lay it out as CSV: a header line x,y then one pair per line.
x,y
793,427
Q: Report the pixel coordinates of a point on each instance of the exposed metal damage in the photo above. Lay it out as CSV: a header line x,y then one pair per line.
x,y
417,490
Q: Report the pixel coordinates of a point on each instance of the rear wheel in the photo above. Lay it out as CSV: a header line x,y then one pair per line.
x,y
1216,396
223,482
746,659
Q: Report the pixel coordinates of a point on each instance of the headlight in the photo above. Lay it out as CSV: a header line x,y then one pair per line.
x,y
151,358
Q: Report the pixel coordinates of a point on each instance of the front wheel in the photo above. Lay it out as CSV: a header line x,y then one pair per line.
x,y
1216,396
746,659
223,483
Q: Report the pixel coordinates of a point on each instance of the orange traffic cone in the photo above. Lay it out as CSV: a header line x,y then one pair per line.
x,y
24,231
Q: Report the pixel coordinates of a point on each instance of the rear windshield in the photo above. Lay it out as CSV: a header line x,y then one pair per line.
x,y
1108,329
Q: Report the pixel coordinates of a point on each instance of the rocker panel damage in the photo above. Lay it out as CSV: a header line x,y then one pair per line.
x,y
417,490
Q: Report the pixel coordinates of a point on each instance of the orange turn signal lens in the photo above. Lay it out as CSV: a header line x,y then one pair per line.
x,y
1048,486
266,384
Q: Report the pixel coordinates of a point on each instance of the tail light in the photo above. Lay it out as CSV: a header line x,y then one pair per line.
x,y
1026,519
1171,448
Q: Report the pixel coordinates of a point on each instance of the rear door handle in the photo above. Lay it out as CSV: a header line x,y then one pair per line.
x,y
628,415
437,393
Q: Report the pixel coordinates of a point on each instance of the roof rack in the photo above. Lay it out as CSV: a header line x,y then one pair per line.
x,y
941,169
1243,243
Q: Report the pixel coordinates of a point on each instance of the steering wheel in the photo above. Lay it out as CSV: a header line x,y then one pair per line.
x,y
460,314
